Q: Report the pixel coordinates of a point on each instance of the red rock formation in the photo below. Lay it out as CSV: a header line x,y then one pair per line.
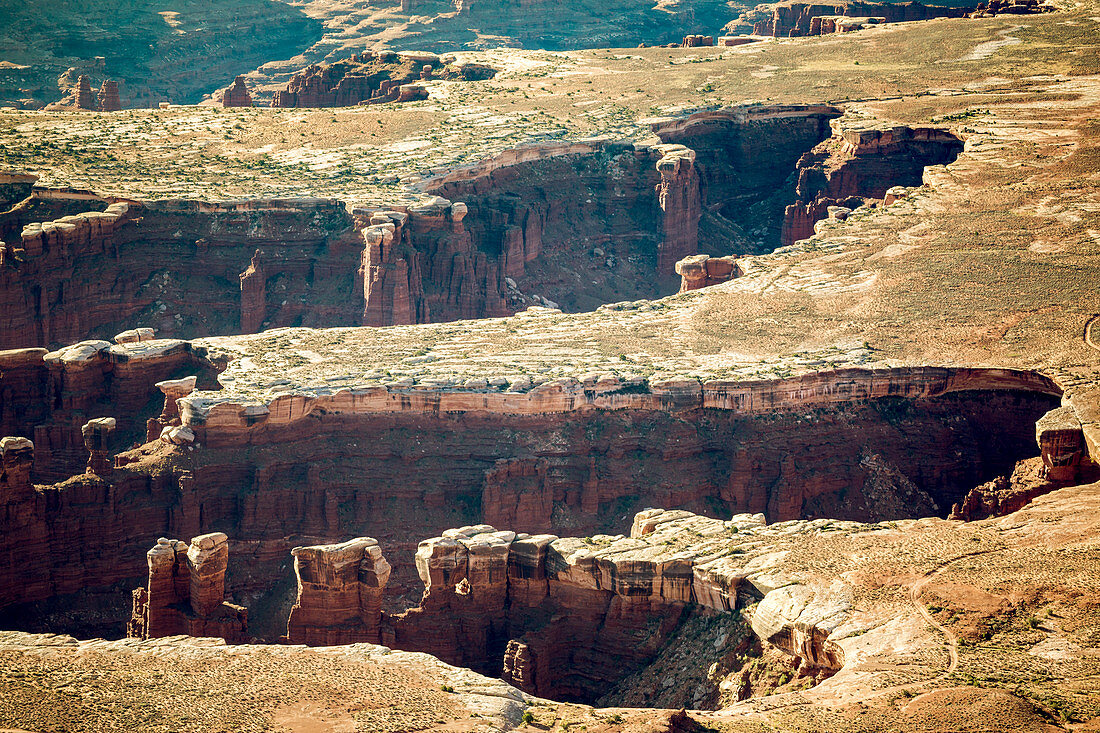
x,y
86,275
1004,495
368,78
806,19
860,164
186,591
339,593
700,271
108,97
1011,7
15,187
1061,440
49,396
16,463
694,41
236,94
299,479
253,295
85,99
680,201
97,440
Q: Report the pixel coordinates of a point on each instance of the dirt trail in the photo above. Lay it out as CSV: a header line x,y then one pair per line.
x,y
1088,332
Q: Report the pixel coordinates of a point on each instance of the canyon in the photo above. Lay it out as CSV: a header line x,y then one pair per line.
x,y
708,386
475,248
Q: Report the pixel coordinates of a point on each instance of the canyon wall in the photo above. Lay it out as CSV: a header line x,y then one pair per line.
x,y
51,397
417,463
175,266
570,225
858,165
569,618
790,19
746,161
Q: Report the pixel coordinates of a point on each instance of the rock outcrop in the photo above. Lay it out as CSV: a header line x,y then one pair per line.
x,y
186,591
791,19
367,78
860,164
340,591
81,96
1011,7
569,617
695,40
108,97
1061,440
237,94
700,271
97,440
16,464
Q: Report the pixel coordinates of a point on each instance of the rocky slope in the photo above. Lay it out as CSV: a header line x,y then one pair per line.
x,y
155,54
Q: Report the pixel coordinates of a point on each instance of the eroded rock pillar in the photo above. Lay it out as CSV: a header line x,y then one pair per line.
x,y
1061,440
340,591
97,441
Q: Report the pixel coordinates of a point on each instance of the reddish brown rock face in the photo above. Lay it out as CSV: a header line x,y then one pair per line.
x,y
813,19
176,266
108,97
700,271
185,592
861,165
368,78
340,591
395,476
237,94
512,232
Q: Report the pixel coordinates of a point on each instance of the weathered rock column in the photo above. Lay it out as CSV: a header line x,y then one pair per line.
x,y
681,202
97,440
185,592
108,97
237,94
207,560
1062,442
253,295
16,462
339,593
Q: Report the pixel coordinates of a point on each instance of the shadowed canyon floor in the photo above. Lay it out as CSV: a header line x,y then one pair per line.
x,y
901,318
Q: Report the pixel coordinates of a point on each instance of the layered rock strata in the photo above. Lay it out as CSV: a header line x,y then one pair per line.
x,y
565,618
97,440
790,19
182,261
81,96
51,397
340,591
701,271
108,97
367,78
290,472
237,94
1011,7
186,591
1061,439
860,164
487,241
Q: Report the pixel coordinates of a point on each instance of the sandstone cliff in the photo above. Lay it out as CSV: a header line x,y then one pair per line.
x,y
367,78
859,164
185,592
